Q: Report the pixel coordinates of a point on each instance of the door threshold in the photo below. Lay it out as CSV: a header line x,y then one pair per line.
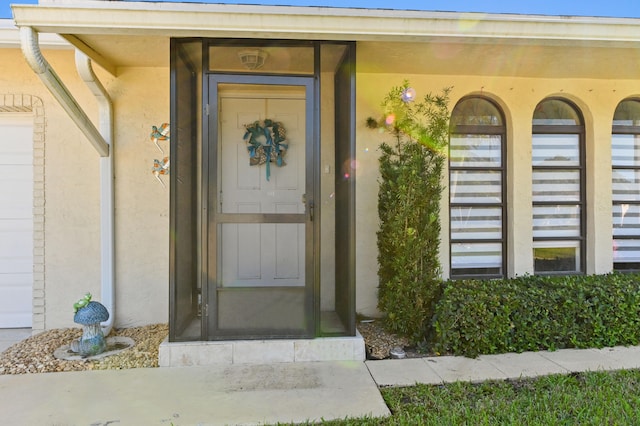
x,y
183,354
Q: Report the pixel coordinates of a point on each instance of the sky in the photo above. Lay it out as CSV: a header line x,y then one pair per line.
x,y
604,8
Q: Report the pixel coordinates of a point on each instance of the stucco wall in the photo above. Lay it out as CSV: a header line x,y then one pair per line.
x,y
72,223
141,100
518,96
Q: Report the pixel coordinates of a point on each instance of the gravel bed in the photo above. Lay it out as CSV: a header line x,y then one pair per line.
x,y
35,354
379,342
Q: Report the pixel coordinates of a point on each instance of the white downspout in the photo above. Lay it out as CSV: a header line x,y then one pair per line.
x,y
35,59
33,55
107,230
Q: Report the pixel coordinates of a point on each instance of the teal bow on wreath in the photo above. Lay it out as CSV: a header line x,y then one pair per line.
x,y
266,143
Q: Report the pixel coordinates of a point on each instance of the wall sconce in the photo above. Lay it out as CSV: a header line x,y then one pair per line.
x,y
252,59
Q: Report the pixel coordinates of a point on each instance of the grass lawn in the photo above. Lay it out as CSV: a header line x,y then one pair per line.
x,y
594,398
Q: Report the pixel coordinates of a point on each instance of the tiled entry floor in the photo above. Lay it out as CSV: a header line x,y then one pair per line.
x,y
10,336
182,354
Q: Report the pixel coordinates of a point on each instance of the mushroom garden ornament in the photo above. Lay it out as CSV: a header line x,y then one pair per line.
x,y
89,314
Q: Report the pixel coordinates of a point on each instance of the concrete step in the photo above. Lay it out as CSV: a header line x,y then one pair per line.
x,y
182,354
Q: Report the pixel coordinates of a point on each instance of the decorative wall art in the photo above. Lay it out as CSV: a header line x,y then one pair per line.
x,y
160,167
266,143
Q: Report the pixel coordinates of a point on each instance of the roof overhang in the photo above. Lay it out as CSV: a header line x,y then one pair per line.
x,y
318,23
118,34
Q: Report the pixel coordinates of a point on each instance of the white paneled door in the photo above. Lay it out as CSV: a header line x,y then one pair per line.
x,y
262,254
16,219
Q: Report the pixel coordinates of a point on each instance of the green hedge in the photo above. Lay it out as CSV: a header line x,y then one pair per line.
x,y
534,313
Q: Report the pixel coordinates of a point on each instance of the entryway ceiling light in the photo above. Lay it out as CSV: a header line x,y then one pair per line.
x,y
253,59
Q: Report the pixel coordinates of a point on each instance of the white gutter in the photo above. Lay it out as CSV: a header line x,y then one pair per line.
x,y
34,57
107,230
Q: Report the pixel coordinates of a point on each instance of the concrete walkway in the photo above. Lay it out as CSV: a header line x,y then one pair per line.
x,y
227,395
249,394
446,369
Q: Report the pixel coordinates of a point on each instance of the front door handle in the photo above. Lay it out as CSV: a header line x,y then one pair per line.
x,y
309,206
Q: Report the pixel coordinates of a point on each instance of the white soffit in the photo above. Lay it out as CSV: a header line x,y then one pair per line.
x,y
220,20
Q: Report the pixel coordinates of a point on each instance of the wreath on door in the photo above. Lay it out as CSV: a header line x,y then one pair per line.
x,y
266,143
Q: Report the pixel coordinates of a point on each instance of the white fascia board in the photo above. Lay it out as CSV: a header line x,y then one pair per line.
x,y
10,37
220,20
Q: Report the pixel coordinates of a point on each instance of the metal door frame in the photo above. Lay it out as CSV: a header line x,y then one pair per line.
x,y
214,218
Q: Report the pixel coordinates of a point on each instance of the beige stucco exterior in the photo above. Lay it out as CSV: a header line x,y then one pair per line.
x,y
71,225
517,78
591,70
517,96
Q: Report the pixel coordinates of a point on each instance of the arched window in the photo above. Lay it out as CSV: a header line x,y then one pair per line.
x,y
558,188
625,162
476,183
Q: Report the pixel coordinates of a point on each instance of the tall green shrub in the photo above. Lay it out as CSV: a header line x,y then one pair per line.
x,y
409,207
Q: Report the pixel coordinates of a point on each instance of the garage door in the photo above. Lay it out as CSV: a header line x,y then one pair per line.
x,y
16,219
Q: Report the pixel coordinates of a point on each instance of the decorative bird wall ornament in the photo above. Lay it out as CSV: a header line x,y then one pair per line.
x,y
160,134
160,167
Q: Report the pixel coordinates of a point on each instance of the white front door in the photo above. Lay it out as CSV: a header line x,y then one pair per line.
x,y
16,219
262,254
